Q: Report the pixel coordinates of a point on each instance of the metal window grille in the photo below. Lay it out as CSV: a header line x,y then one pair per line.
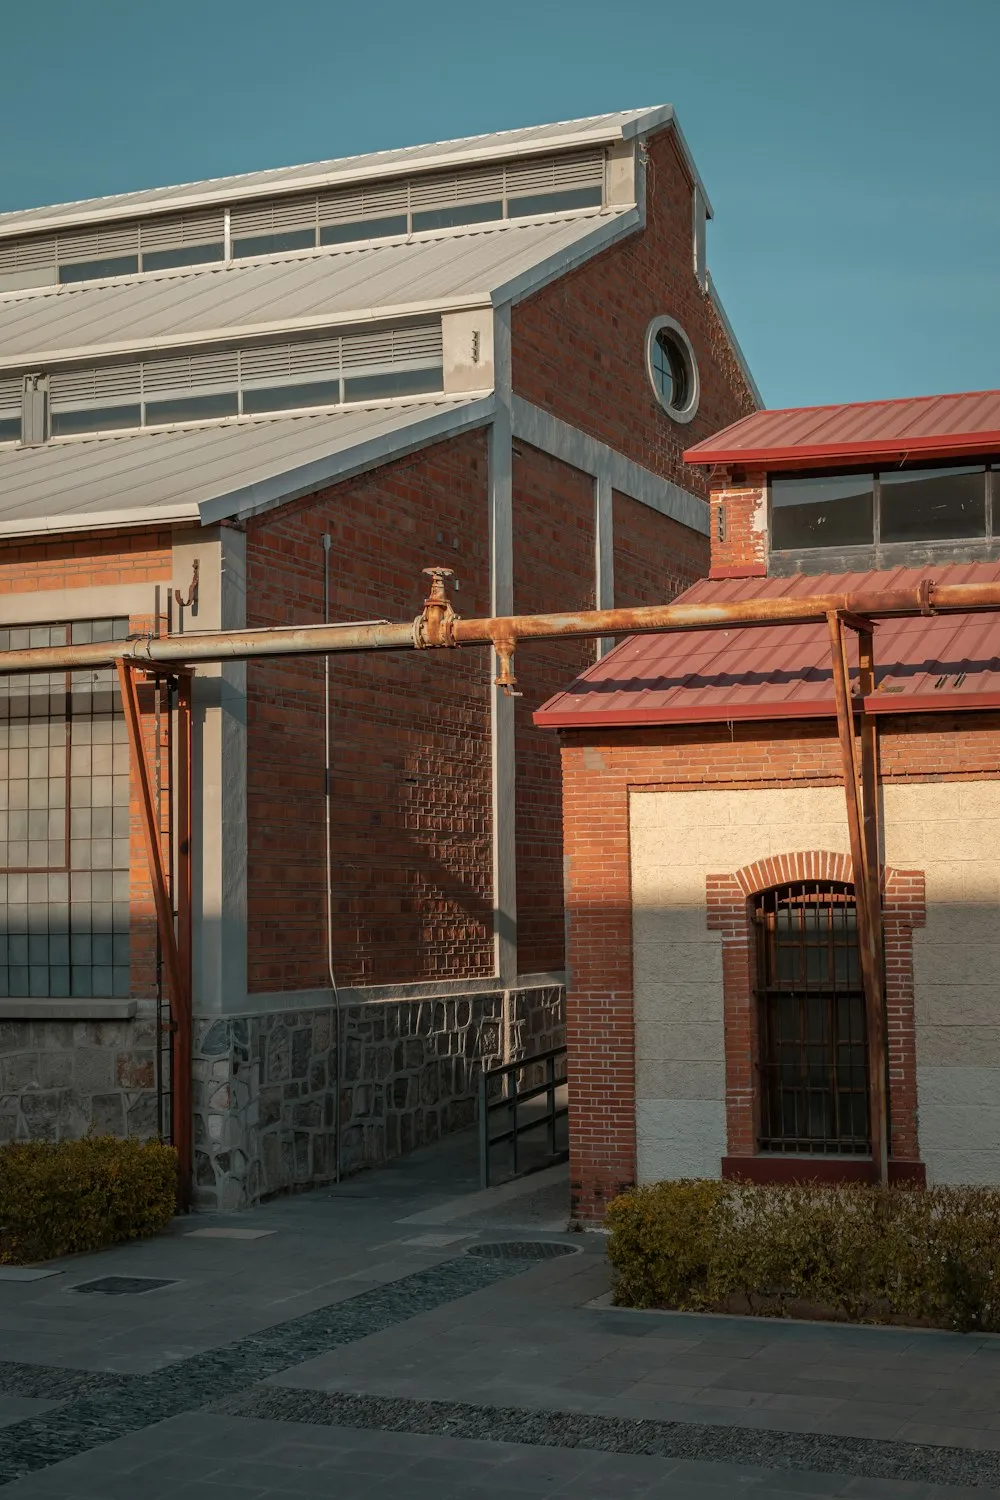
x,y
64,824
813,1055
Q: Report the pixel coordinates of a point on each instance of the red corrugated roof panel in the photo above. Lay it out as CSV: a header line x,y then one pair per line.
x,y
919,427
779,671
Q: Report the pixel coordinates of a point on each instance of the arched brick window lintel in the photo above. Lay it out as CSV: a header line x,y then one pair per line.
x,y
903,891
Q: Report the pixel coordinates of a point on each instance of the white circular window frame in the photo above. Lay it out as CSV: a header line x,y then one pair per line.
x,y
688,412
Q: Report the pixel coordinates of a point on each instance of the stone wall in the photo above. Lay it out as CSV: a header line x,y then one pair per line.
x,y
265,1086
59,1079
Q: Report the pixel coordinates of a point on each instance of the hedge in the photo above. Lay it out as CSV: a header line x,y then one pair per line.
x,y
927,1256
61,1198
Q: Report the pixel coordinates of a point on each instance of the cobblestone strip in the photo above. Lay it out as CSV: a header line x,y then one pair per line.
x,y
865,1458
102,1408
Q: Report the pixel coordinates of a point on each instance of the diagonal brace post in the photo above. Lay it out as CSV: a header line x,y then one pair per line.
x,y
860,786
178,976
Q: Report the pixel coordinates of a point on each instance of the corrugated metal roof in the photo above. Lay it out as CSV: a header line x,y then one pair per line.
x,y
212,471
778,671
374,281
442,154
815,436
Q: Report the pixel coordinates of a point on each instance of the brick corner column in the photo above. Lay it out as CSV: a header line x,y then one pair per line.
x,y
600,1025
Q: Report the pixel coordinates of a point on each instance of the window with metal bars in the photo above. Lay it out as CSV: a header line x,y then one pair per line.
x,y
813,1055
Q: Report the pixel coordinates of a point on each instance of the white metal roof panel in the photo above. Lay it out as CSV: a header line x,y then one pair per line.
x,y
442,154
212,471
318,290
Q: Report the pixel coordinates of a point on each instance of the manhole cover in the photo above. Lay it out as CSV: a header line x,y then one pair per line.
x,y
523,1250
122,1286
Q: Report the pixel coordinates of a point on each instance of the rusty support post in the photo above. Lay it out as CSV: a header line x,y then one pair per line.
x,y
873,867
180,1010
184,833
868,943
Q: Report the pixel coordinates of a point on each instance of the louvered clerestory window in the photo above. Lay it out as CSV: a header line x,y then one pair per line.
x,y
201,387
335,216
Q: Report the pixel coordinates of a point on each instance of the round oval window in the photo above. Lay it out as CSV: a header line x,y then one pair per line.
x,y
672,369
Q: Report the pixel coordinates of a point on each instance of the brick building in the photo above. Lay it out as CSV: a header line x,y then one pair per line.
x,y
716,1009
268,399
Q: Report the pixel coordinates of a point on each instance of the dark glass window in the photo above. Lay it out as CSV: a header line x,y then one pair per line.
x,y
273,244
392,383
811,1017
922,505
89,270
287,397
457,213
550,203
95,419
670,370
10,429
181,255
828,511
192,408
362,229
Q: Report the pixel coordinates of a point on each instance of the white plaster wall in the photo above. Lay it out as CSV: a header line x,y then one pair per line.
x,y
951,831
677,840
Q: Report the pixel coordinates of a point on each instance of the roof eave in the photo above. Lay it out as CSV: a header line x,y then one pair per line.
x,y
827,455
637,718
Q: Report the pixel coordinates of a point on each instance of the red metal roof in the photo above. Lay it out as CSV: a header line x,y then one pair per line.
x,y
918,427
924,664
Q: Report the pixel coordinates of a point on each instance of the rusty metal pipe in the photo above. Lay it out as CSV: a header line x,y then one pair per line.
x,y
381,635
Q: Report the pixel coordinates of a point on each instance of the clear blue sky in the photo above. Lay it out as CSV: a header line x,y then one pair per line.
x,y
851,147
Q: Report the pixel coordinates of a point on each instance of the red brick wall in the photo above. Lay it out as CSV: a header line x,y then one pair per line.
x,y
578,346
411,736
738,530
554,569
598,770
79,561
655,558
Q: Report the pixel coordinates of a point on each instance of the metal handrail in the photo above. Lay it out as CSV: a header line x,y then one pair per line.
x,y
510,1099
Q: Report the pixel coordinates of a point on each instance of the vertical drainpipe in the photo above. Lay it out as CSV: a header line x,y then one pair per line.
x,y
328,835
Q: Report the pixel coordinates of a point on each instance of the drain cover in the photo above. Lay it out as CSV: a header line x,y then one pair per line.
x,y
122,1286
523,1250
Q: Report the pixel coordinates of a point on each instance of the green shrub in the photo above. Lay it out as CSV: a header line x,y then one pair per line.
x,y
59,1199
862,1253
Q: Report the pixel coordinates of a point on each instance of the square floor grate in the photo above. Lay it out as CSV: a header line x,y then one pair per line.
x,y
122,1286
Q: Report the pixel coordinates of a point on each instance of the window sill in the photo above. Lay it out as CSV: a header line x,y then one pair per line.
x,y
67,1010
779,1167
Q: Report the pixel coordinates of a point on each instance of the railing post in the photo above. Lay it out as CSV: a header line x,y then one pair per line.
x,y
513,1137
484,1132
550,1069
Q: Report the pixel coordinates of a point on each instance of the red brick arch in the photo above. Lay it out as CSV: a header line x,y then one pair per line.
x,y
904,908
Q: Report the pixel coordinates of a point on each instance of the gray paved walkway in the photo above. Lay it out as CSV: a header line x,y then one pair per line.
x,y
354,1349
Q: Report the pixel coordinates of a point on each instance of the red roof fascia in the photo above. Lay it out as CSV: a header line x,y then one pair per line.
x,y
818,455
881,703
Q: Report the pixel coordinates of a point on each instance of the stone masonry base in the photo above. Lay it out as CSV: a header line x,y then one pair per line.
x,y
265,1086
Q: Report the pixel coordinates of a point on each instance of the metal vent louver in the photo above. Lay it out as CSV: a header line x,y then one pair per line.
x,y
110,239
575,169
182,229
279,361
27,255
363,203
192,372
103,384
266,218
480,186
10,395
